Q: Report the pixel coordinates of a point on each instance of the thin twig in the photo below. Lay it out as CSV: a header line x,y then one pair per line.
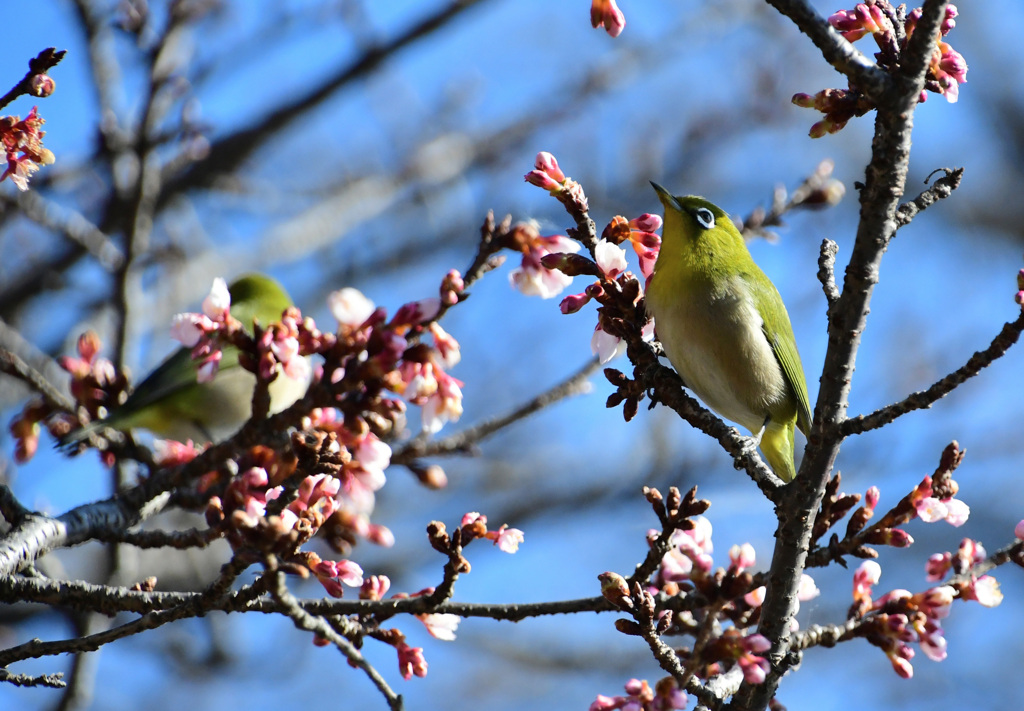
x,y
942,188
320,627
70,223
14,366
463,441
54,681
924,399
195,606
40,64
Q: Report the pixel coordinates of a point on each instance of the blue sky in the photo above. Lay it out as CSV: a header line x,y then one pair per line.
x,y
674,85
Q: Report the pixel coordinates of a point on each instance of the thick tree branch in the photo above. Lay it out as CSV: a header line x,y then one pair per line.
x,y
884,185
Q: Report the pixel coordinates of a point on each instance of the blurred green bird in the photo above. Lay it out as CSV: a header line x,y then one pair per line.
x,y
172,404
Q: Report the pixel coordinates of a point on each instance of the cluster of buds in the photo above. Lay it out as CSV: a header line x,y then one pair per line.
x,y
933,499
640,696
246,513
443,626
730,594
550,263
1019,296
531,277
547,175
900,618
983,589
22,141
96,386
276,349
891,28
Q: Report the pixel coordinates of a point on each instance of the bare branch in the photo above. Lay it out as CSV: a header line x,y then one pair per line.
x,y
841,54
463,441
317,625
40,64
924,399
54,681
942,189
14,366
826,272
69,223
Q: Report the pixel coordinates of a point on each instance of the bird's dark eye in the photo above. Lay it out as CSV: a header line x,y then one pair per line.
x,y
705,217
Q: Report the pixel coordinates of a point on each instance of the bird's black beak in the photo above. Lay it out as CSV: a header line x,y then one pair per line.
x,y
667,199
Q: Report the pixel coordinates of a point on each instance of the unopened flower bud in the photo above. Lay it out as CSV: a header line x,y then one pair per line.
x,y
570,264
615,589
547,163
42,85
542,180
628,627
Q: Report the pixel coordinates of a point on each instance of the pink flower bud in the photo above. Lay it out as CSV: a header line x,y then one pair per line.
x,y
646,223
871,497
573,303
804,101
42,85
1018,530
898,538
542,180
218,301
607,14
547,163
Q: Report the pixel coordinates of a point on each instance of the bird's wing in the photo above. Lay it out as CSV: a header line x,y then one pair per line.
x,y
172,376
776,329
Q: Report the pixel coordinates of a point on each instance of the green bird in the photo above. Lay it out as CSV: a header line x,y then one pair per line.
x,y
725,329
172,404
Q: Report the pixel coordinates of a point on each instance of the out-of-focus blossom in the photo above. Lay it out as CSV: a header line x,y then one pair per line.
x,y
447,347
639,696
350,307
807,590
452,287
416,313
218,302
411,661
441,626
754,667
22,143
860,21
332,574
611,259
506,539
605,13
931,509
606,346
985,590
741,557
531,277
169,453
546,173
374,587
864,579
690,555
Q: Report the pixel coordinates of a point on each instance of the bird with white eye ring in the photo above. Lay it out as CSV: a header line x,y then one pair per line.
x,y
725,329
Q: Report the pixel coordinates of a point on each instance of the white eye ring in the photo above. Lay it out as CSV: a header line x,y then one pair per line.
x,y
705,217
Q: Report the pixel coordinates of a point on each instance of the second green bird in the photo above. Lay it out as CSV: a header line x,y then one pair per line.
x,y
725,329
171,402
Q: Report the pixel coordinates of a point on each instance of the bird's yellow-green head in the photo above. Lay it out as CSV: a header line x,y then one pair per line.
x,y
724,327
